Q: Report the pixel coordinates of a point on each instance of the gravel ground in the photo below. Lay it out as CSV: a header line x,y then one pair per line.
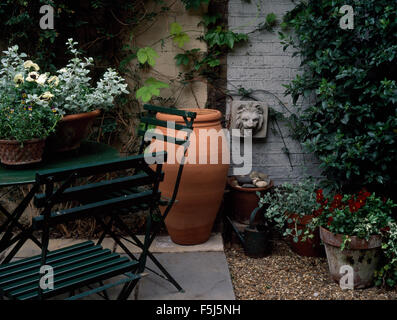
x,y
287,276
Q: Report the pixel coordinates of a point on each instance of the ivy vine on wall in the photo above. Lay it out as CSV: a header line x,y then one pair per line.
x,y
350,75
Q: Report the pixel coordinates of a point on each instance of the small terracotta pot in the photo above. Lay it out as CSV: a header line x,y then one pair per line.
x,y
245,200
15,153
71,130
309,248
362,255
202,185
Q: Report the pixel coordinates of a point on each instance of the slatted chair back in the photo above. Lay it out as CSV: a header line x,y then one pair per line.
x,y
149,121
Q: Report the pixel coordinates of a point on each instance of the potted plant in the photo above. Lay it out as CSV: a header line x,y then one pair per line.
x,y
291,207
27,112
79,101
351,229
244,198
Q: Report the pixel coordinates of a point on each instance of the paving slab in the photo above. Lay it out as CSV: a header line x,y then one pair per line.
x,y
202,275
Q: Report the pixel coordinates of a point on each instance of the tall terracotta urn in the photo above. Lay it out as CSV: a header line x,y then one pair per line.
x,y
203,180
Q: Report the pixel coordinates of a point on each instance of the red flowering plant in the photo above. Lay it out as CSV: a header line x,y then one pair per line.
x,y
362,214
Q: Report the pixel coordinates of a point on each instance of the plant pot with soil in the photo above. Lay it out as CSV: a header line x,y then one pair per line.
x,y
244,195
79,101
352,229
291,207
27,112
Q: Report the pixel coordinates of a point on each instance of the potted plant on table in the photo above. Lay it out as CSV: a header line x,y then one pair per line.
x,y
291,207
79,101
27,112
351,228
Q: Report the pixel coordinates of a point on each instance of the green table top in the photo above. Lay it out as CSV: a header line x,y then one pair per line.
x,y
87,153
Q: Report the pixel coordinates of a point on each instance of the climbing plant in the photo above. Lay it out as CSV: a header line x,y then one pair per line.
x,y
349,79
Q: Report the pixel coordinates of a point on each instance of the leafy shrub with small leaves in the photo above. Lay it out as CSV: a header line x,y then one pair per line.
x,y
287,203
386,275
75,93
350,77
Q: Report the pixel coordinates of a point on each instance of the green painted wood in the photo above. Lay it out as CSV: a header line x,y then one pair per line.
x,y
33,277
4,268
92,190
96,167
61,261
162,123
74,266
129,278
89,276
89,152
97,208
161,137
178,112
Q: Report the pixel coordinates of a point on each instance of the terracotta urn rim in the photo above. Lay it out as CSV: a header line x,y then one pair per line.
x,y
356,243
203,115
90,114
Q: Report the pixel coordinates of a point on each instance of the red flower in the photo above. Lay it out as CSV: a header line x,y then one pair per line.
x,y
330,219
353,205
336,203
319,196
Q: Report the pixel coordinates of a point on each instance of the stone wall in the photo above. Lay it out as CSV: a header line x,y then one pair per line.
x,y
262,65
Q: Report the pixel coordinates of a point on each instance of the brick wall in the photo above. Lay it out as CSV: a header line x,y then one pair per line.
x,y
262,65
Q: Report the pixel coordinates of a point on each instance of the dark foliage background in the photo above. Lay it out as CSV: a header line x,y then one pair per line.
x,y
351,77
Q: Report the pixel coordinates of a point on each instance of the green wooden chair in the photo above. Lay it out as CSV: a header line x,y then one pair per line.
x,y
148,123
84,264
88,264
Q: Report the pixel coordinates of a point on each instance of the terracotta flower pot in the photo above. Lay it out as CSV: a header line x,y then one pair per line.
x,y
14,153
245,200
309,248
72,130
202,186
362,255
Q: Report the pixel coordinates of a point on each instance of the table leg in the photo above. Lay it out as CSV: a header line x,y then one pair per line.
x,y
13,221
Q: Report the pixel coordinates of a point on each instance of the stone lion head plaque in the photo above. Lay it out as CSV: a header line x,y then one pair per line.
x,y
250,117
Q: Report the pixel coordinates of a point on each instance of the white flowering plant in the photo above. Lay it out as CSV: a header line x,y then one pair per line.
x,y
75,93
26,99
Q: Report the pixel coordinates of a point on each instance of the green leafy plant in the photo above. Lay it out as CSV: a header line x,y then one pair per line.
x,y
148,55
386,275
26,99
151,88
178,36
75,93
287,204
194,4
221,37
349,77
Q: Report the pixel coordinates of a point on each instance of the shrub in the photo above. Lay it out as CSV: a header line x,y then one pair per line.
x,y
351,76
26,99
75,94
